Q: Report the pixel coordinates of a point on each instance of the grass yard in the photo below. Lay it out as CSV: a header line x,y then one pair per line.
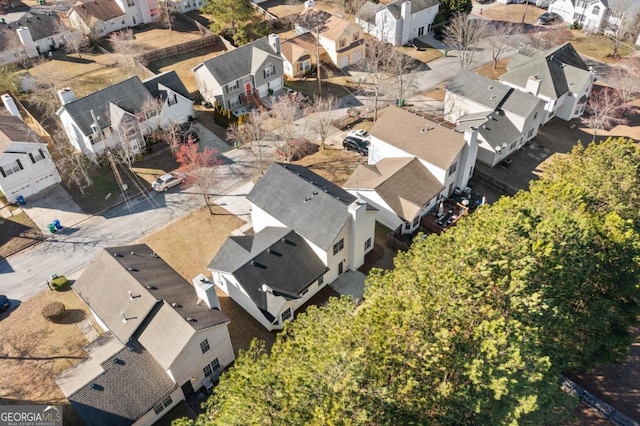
x,y
309,87
35,351
17,233
425,55
335,165
156,37
513,13
182,65
597,46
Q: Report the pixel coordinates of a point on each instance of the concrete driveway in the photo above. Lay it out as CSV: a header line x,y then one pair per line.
x,y
208,139
51,204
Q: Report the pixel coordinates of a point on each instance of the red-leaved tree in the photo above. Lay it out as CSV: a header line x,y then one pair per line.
x,y
198,169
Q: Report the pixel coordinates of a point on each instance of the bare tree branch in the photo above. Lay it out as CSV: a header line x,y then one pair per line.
x,y
465,34
605,109
321,120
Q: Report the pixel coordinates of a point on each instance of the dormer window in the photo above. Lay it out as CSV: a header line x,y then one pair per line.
x,y
356,36
596,10
269,70
94,129
172,99
342,43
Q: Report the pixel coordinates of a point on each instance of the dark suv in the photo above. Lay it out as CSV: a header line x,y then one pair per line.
x,y
358,145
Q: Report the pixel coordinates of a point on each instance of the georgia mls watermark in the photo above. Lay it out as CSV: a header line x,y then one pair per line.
x,y
30,415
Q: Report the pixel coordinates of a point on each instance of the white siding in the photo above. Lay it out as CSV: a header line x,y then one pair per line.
x,y
33,177
151,417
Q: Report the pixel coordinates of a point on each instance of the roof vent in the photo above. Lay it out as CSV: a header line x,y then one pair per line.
x,y
490,87
132,252
176,305
96,386
191,319
152,287
124,317
253,263
132,269
284,241
117,255
269,250
338,198
118,361
154,254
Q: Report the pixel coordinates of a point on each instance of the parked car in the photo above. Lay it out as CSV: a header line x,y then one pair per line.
x,y
5,303
361,135
358,145
189,135
164,182
549,18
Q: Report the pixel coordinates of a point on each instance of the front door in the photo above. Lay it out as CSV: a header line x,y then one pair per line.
x,y
340,268
247,88
187,389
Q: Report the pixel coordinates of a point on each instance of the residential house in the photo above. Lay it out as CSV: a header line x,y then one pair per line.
x,y
446,156
401,188
243,76
123,113
300,55
398,22
184,6
101,17
29,33
341,39
308,232
597,16
164,339
26,167
505,118
558,76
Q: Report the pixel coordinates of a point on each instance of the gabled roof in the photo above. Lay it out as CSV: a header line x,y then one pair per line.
x,y
492,94
276,257
330,26
494,128
418,136
131,384
304,202
403,183
130,95
237,63
97,10
395,8
557,68
167,79
12,129
41,25
368,11
300,46
132,283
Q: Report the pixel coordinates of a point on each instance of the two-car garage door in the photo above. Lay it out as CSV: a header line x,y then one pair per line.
x,y
29,188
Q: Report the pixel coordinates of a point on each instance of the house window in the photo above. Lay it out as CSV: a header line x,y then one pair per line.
x,y
37,156
234,102
596,10
165,404
535,115
305,65
215,365
321,281
204,345
305,291
512,146
233,86
342,43
337,247
471,171
356,36
451,187
452,169
416,220
172,99
367,244
131,3
530,134
269,70
158,409
286,315
123,21
207,370
11,169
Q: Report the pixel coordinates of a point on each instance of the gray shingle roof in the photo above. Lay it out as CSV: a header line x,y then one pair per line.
x,y
132,384
13,129
237,63
368,11
403,183
438,145
303,201
168,79
557,68
395,8
132,284
280,258
129,95
496,129
492,94
41,25
101,10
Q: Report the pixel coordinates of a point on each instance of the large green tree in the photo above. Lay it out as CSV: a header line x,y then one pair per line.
x,y
448,8
236,16
472,326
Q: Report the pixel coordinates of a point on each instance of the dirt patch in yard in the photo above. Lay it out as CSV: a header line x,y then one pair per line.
x,y
35,351
512,13
491,72
18,232
188,245
335,165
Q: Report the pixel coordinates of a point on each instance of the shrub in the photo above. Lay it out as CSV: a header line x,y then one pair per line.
x,y
54,312
59,283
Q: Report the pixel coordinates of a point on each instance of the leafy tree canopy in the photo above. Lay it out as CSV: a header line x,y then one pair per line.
x,y
472,326
448,8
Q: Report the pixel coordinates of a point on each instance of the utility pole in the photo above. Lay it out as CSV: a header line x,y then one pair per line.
x,y
318,61
526,3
